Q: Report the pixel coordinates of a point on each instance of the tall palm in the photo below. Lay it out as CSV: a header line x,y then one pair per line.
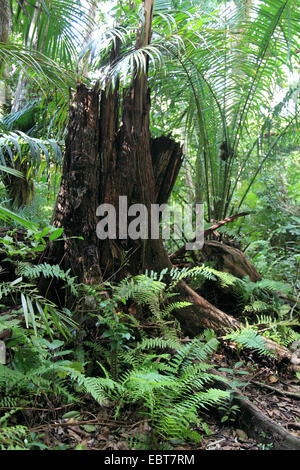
x,y
225,72
51,33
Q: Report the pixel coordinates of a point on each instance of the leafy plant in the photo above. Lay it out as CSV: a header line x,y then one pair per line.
x,y
170,390
249,338
38,312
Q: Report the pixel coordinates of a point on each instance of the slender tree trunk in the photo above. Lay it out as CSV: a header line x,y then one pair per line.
x,y
20,95
4,37
19,190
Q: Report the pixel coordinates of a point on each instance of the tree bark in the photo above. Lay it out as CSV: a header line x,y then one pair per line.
x,y
77,200
126,162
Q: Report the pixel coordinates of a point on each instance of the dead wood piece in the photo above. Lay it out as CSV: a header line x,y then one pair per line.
x,y
230,260
277,390
208,231
167,159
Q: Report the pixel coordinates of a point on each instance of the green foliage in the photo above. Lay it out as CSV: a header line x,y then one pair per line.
x,y
39,313
35,241
259,296
168,389
279,330
18,144
46,270
12,437
35,369
249,338
221,81
145,291
201,273
171,389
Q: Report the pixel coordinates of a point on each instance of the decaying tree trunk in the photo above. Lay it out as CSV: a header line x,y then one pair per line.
x,y
230,260
77,200
106,158
130,164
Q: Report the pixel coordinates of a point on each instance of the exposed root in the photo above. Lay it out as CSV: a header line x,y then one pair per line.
x,y
201,314
259,426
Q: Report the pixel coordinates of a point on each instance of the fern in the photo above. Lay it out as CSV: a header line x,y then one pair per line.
x,y
157,343
141,288
8,323
170,390
17,437
172,394
250,291
257,306
8,401
202,273
46,270
249,338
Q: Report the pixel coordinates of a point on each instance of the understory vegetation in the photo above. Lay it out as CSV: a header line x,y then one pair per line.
x,y
101,351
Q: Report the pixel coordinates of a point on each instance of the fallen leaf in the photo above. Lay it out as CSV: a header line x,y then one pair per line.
x,y
123,445
241,435
89,427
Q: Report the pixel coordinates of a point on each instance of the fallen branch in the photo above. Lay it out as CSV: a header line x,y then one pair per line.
x,y
208,231
276,390
260,426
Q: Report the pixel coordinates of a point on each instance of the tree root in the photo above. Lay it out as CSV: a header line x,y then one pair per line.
x,y
257,425
201,315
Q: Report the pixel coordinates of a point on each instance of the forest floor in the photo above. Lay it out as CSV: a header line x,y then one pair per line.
x,y
273,389
276,394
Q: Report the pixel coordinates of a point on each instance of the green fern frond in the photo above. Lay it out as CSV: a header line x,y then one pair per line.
x,y
13,437
173,306
202,272
257,306
46,270
158,343
249,338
